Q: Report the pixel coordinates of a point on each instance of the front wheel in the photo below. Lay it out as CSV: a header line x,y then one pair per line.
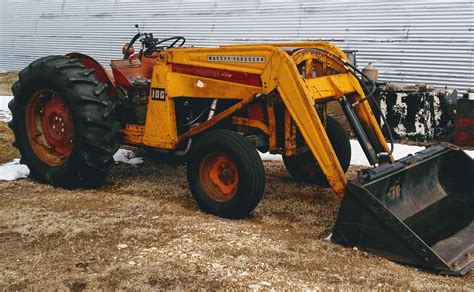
x,y
226,174
304,167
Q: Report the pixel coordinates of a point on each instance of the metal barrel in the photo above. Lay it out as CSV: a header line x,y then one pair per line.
x,y
418,211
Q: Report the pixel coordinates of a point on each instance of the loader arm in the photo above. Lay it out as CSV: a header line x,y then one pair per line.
x,y
185,73
299,101
300,96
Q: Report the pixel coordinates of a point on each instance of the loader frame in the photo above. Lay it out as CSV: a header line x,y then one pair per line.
x,y
250,74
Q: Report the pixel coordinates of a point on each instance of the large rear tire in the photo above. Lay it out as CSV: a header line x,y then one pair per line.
x,y
304,168
226,174
64,123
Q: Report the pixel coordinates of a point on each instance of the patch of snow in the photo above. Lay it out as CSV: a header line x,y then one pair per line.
x,y
267,156
358,156
400,151
329,237
470,153
5,114
127,156
13,170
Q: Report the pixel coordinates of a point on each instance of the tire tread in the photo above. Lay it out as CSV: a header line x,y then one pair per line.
x,y
96,134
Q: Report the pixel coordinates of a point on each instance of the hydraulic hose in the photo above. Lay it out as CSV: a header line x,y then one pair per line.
x,y
369,93
371,96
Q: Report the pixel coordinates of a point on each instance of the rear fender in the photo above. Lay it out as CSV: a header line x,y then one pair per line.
x,y
101,73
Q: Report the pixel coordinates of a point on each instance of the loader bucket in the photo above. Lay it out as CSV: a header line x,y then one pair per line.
x,y
418,211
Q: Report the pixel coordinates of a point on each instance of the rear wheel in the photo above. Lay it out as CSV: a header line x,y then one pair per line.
x,y
226,174
304,168
64,123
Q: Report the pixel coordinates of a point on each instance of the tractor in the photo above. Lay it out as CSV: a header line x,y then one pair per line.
x,y
217,107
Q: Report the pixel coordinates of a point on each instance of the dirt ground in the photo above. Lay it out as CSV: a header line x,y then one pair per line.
x,y
142,230
7,151
6,81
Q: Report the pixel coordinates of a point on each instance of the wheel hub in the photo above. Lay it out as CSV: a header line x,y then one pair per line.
x,y
219,176
50,127
57,125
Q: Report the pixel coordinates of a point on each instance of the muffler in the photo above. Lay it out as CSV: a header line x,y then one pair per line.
x,y
418,211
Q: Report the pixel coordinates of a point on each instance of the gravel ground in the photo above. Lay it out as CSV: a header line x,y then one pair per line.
x,y
143,230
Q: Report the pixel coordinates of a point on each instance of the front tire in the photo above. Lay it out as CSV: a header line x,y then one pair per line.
x,y
304,168
226,174
64,123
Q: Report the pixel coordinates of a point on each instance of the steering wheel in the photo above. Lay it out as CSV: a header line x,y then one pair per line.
x,y
178,41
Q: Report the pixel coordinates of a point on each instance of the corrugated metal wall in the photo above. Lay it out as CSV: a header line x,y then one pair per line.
x,y
409,41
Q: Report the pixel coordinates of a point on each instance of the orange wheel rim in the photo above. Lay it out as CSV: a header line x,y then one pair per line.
x,y
219,176
49,127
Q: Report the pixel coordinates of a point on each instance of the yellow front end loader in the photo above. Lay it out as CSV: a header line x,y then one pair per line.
x,y
216,107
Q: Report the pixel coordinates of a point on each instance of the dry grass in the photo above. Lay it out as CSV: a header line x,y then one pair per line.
x,y
10,279
6,81
7,151
52,237
142,230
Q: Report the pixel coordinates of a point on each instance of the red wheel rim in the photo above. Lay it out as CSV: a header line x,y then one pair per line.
x,y
49,127
219,176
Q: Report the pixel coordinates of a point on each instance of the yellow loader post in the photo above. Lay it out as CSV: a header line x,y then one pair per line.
x,y
278,74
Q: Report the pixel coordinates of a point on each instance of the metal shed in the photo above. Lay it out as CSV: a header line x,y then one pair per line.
x,y
409,41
